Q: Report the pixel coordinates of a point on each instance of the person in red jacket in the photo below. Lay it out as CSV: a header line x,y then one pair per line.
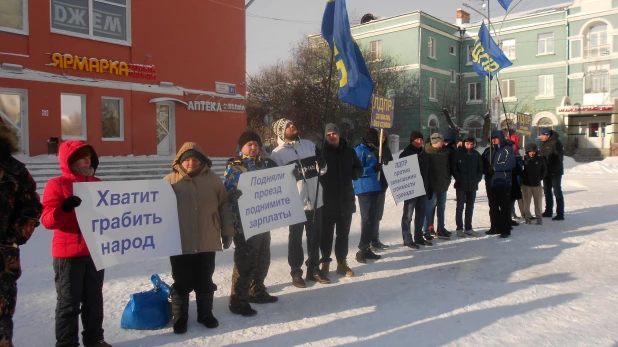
x,y
79,286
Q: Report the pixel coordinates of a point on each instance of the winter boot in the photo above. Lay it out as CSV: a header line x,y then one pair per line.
x,y
101,343
411,244
558,217
204,300
472,233
360,257
370,255
547,214
344,269
262,298
428,236
443,234
245,311
325,269
208,320
460,233
528,221
539,221
180,312
298,282
318,276
379,245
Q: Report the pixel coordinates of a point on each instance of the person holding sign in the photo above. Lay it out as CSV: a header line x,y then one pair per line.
x,y
20,210
339,200
417,204
79,286
386,157
251,256
293,150
205,220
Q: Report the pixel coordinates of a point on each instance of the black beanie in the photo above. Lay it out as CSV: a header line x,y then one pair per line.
x,y
191,153
415,135
372,137
248,136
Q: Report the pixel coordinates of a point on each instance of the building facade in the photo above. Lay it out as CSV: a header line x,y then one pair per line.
x,y
130,77
564,66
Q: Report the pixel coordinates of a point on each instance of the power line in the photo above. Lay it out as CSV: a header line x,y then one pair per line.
x,y
296,21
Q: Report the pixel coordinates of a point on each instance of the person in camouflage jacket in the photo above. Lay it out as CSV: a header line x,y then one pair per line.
x,y
20,210
251,256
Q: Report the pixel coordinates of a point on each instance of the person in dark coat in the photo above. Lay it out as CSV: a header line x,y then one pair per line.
x,y
439,181
387,157
20,210
533,173
553,152
415,206
79,286
339,200
467,169
499,163
252,255
449,147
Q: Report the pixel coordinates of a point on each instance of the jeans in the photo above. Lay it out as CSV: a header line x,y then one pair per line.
x,y
375,237
467,199
410,207
342,223
295,243
555,184
500,209
368,205
439,201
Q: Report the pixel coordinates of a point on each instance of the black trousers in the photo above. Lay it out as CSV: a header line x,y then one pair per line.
x,y
251,264
552,186
413,207
368,205
341,242
79,289
500,209
10,271
296,255
193,272
375,237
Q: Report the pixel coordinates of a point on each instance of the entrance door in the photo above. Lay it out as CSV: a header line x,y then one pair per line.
x,y
165,129
594,138
605,132
13,106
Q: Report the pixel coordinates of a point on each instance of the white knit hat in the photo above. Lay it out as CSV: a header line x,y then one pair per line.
x,y
280,126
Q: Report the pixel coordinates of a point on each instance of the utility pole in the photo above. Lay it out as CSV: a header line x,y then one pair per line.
x,y
249,4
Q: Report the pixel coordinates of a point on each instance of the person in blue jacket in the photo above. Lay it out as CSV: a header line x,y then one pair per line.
x,y
367,188
499,162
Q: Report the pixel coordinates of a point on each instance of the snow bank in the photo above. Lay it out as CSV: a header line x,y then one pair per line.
x,y
569,163
607,166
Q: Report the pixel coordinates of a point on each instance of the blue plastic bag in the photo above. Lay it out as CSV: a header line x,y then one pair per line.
x,y
149,310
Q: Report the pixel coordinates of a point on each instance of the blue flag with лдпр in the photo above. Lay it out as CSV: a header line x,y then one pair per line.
x,y
487,57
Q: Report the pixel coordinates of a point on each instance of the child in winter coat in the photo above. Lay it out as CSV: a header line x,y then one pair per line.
x,y
534,171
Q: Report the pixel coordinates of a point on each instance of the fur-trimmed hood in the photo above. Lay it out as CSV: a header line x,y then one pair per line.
x,y
9,141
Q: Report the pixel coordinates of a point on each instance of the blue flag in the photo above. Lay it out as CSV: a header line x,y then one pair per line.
x,y
505,4
485,63
355,83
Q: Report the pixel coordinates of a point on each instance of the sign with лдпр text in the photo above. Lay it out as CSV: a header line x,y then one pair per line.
x,y
524,124
382,112
404,178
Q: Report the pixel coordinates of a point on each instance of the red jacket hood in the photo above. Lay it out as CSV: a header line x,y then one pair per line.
x,y
67,148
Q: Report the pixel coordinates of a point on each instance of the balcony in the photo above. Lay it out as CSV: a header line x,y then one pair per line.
x,y
597,51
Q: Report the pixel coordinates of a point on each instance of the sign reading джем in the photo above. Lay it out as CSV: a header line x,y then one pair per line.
x,y
382,112
118,68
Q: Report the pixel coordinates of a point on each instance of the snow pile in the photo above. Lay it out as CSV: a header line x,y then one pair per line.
x,y
569,163
607,166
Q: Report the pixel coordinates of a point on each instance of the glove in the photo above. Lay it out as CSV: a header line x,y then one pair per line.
x,y
70,203
297,172
385,162
377,168
227,241
321,163
234,194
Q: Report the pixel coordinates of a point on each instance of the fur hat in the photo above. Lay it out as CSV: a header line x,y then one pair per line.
x,y
280,126
248,136
80,154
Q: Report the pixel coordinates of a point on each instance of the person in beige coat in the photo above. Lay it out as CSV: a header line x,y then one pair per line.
x,y
205,220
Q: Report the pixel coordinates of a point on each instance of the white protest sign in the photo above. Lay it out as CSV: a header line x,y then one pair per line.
x,y
404,178
269,200
127,221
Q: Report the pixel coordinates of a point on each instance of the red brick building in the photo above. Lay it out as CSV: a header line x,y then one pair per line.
x,y
128,76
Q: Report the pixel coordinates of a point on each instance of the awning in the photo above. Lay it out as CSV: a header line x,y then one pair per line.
x,y
155,100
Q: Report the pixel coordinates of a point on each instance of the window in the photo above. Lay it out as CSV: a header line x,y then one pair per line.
x,y
597,42
14,16
112,117
73,116
453,76
597,77
509,124
475,128
474,91
508,88
546,43
103,20
376,50
451,50
508,47
432,48
434,126
432,88
470,50
546,85
543,123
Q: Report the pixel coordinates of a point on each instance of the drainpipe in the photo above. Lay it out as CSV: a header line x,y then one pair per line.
x,y
568,71
420,74
462,32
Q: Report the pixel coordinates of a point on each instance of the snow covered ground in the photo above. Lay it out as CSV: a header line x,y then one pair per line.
x,y
550,285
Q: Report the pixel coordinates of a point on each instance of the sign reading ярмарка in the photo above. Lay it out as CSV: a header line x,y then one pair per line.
x,y
382,112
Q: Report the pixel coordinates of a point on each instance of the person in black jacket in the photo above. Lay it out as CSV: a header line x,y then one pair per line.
x,y
339,200
387,157
417,204
552,151
533,174
467,169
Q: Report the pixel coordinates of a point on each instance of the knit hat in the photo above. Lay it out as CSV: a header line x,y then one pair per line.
x,y
531,147
372,137
546,131
248,136
331,127
191,153
280,126
80,154
415,135
447,135
436,138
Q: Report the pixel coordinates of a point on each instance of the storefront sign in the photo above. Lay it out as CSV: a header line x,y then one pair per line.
x,y
382,112
209,106
225,88
524,124
118,68
592,109
79,17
